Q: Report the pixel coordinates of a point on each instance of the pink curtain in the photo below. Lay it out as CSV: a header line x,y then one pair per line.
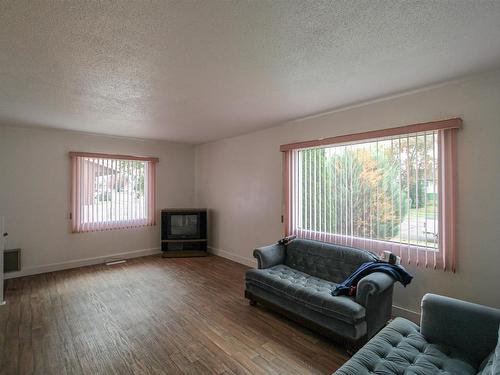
x,y
288,193
75,194
151,193
447,212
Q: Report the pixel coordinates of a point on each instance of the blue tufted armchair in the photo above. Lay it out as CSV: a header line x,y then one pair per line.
x,y
454,338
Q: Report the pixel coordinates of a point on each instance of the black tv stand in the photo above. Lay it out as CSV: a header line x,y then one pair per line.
x,y
184,247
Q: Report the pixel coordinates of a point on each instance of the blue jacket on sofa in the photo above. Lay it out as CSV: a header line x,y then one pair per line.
x,y
398,273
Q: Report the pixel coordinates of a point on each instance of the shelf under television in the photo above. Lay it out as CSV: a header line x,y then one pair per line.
x,y
183,253
187,240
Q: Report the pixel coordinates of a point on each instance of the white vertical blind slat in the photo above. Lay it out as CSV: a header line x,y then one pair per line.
x,y
434,179
315,183
86,201
329,195
341,201
426,230
96,194
134,179
100,198
321,196
376,201
91,191
113,190
309,194
143,204
408,205
81,187
417,184
400,196
351,186
127,195
294,193
147,190
120,190
132,193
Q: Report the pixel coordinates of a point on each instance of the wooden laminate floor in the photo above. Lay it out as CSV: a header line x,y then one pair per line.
x,y
152,316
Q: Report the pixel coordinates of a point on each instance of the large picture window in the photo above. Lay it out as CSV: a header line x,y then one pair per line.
x,y
112,191
388,190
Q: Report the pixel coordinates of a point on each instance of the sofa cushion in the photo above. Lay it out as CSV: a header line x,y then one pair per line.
x,y
326,261
400,348
310,291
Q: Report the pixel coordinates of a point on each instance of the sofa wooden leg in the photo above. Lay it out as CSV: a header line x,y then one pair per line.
x,y
251,301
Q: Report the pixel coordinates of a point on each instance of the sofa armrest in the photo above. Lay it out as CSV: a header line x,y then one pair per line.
x,y
466,326
374,292
269,256
371,285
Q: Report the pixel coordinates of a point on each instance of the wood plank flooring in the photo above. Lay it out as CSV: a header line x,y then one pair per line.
x,y
152,316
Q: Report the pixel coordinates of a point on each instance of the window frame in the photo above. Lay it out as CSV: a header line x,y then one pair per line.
x,y
444,257
78,226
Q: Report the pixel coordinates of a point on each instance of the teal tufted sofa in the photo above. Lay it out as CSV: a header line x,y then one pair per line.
x,y
298,279
454,338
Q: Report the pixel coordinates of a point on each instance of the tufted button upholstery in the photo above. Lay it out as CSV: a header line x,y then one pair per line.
x,y
307,290
325,261
399,349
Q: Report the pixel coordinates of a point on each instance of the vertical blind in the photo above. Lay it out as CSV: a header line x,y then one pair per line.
x,y
112,191
387,193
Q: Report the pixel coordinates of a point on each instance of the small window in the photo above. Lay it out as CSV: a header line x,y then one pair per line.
x,y
391,192
112,192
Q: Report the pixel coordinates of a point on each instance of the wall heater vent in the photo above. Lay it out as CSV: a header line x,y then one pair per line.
x,y
12,260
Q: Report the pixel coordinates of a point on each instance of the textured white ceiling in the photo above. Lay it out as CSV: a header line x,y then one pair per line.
x,y
194,71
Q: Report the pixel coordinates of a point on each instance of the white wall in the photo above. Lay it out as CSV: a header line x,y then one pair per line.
x,y
35,195
240,180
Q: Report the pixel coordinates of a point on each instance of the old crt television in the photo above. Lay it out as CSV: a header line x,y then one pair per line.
x,y
183,224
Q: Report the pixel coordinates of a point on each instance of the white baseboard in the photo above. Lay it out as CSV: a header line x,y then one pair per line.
x,y
80,262
250,262
406,313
